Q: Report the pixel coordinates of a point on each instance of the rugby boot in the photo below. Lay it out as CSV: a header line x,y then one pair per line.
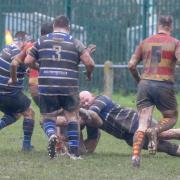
x,y
136,161
52,146
27,148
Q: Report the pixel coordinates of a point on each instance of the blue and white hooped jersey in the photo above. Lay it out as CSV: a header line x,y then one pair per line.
x,y
58,57
116,119
6,57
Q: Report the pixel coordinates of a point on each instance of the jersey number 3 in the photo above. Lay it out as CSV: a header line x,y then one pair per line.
x,y
57,50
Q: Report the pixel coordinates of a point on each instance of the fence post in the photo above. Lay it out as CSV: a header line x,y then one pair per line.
x,y
68,4
145,11
108,78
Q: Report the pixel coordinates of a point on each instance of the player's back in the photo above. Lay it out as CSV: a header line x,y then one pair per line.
x,y
6,57
116,119
158,55
58,59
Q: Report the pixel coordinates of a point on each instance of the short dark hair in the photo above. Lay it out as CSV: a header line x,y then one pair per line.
x,y
46,28
21,36
61,21
165,20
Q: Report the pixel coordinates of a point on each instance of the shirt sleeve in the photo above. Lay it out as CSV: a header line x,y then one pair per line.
x,y
80,47
99,104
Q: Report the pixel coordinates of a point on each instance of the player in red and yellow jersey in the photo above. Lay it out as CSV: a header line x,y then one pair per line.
x,y
159,54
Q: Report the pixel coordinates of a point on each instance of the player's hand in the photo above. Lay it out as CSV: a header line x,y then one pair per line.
x,y
84,114
11,82
88,75
91,48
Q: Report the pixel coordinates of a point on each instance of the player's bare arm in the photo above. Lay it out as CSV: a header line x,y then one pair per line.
x,y
132,65
91,118
91,144
14,65
29,60
91,48
88,62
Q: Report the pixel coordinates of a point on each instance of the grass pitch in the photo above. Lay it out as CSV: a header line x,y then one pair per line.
x,y
111,161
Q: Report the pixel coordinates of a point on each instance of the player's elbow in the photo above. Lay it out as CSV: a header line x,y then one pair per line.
x,y
14,63
87,60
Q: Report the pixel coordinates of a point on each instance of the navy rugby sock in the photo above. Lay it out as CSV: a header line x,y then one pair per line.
x,y
49,127
6,120
28,126
73,138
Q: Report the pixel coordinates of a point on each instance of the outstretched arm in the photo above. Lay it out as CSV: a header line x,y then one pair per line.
x,y
135,59
90,117
132,67
93,136
13,69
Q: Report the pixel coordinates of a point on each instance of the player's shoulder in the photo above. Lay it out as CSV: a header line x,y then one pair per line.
x,y
103,98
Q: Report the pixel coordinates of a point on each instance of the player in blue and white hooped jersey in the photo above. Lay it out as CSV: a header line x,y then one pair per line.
x,y
13,102
58,55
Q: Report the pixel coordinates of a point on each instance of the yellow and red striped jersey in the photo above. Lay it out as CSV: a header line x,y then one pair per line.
x,y
159,55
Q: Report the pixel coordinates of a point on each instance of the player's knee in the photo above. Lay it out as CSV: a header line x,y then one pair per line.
x,y
29,113
142,129
172,115
48,117
173,120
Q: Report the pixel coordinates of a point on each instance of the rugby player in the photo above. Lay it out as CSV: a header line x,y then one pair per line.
x,y
159,54
120,122
13,102
58,55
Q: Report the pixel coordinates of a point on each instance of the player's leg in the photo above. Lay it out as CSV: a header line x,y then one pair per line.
x,y
61,126
170,134
71,110
165,101
9,117
7,120
145,109
145,116
33,85
33,88
62,140
48,105
168,121
168,147
13,106
28,122
28,127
